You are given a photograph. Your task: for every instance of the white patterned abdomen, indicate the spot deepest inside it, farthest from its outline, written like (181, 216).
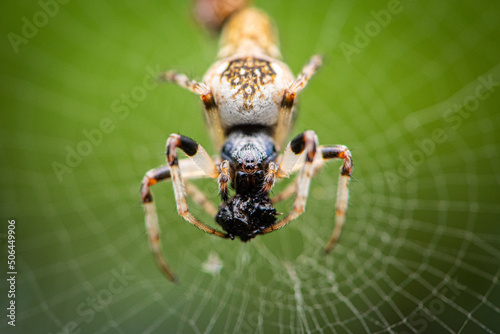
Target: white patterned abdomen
(248, 90)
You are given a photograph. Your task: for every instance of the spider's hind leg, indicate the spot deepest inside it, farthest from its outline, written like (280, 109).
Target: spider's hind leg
(289, 96)
(205, 93)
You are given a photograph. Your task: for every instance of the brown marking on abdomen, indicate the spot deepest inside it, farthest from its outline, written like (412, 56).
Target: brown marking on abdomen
(248, 75)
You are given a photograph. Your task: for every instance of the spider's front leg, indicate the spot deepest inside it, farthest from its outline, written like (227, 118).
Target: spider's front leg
(198, 165)
(304, 146)
(200, 157)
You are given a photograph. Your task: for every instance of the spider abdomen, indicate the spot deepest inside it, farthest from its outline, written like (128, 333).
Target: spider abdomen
(248, 90)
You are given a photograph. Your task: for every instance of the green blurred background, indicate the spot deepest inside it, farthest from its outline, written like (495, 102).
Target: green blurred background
(409, 94)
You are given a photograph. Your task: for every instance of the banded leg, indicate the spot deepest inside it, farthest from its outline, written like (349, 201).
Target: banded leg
(189, 170)
(339, 152)
(152, 227)
(290, 190)
(211, 110)
(198, 165)
(183, 81)
(304, 144)
(202, 160)
(291, 162)
(307, 72)
(289, 95)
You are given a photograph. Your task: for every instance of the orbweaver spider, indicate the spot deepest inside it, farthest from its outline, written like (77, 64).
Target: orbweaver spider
(249, 97)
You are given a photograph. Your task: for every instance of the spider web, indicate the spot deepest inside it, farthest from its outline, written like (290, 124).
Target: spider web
(421, 246)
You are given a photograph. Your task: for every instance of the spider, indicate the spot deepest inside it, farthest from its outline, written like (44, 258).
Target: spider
(249, 99)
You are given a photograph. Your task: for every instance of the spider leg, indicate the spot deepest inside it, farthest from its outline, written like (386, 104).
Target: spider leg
(199, 197)
(210, 107)
(224, 178)
(287, 103)
(202, 160)
(307, 72)
(339, 152)
(290, 190)
(183, 81)
(152, 177)
(198, 165)
(305, 144)
(285, 193)
(311, 165)
(270, 178)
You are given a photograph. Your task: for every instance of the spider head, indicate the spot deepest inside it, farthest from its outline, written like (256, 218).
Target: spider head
(246, 216)
(248, 158)
(249, 155)
(249, 168)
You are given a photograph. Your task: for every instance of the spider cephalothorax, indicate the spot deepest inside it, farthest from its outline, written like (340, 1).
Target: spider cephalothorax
(249, 152)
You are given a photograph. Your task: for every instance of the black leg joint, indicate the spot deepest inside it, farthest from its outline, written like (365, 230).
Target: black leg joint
(310, 155)
(163, 174)
(346, 171)
(148, 198)
(330, 152)
(288, 100)
(189, 146)
(298, 144)
(208, 101)
(173, 161)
